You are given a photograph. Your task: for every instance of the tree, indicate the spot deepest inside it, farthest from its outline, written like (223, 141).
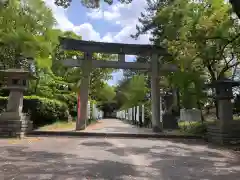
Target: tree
(26, 30)
(106, 99)
(202, 37)
(130, 92)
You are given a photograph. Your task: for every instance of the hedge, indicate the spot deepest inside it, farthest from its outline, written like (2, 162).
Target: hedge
(70, 100)
(42, 111)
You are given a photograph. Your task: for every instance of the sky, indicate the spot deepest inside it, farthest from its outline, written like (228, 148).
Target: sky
(113, 23)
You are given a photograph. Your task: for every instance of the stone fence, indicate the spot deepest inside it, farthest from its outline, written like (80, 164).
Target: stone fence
(93, 112)
(134, 115)
(190, 115)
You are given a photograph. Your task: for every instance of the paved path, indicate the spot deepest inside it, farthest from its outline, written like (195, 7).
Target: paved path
(116, 126)
(114, 159)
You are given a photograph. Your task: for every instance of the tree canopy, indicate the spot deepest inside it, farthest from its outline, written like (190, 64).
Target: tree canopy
(28, 38)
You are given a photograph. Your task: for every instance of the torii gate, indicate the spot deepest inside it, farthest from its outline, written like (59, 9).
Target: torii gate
(87, 63)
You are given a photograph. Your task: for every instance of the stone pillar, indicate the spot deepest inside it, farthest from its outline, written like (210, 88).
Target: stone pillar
(161, 108)
(126, 114)
(134, 115)
(15, 102)
(89, 115)
(130, 115)
(155, 94)
(94, 112)
(225, 108)
(84, 90)
(143, 115)
(137, 115)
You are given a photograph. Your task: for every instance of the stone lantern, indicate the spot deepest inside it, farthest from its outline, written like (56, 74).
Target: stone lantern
(169, 117)
(13, 122)
(225, 130)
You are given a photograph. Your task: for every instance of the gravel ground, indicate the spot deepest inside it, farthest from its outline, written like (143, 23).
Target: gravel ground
(114, 159)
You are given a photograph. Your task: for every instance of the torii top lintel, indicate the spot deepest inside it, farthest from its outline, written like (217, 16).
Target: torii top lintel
(111, 48)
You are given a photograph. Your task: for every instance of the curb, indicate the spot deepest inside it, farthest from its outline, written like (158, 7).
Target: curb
(109, 135)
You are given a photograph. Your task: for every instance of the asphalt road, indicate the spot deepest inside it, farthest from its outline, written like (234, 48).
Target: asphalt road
(116, 126)
(114, 159)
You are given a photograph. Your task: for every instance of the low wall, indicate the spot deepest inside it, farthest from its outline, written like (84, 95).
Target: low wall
(190, 115)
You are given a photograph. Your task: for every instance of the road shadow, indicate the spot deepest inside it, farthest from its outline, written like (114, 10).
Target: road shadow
(181, 161)
(165, 160)
(21, 163)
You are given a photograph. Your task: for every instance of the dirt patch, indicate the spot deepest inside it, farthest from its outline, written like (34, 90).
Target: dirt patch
(94, 125)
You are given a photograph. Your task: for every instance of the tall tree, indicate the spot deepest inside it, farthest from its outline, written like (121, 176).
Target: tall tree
(26, 29)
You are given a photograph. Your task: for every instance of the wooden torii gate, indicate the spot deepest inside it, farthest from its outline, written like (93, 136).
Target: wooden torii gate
(87, 63)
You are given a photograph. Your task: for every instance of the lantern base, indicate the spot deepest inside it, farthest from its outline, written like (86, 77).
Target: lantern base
(14, 125)
(224, 136)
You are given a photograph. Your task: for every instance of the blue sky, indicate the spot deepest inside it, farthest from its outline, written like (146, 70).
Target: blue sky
(107, 24)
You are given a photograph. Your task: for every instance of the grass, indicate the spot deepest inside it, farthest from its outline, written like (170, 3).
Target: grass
(63, 126)
(194, 128)
(236, 118)
(59, 125)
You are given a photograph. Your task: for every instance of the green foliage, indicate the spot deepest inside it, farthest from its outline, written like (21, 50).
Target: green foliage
(42, 110)
(26, 29)
(131, 92)
(196, 128)
(203, 38)
(106, 94)
(70, 100)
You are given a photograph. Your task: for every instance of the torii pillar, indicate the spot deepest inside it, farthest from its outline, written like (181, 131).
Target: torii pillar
(155, 94)
(84, 91)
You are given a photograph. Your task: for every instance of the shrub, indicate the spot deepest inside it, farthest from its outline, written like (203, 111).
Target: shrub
(197, 128)
(71, 101)
(42, 110)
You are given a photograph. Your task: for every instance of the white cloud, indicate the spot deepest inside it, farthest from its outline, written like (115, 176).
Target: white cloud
(126, 16)
(95, 14)
(123, 15)
(86, 30)
(116, 76)
(108, 38)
